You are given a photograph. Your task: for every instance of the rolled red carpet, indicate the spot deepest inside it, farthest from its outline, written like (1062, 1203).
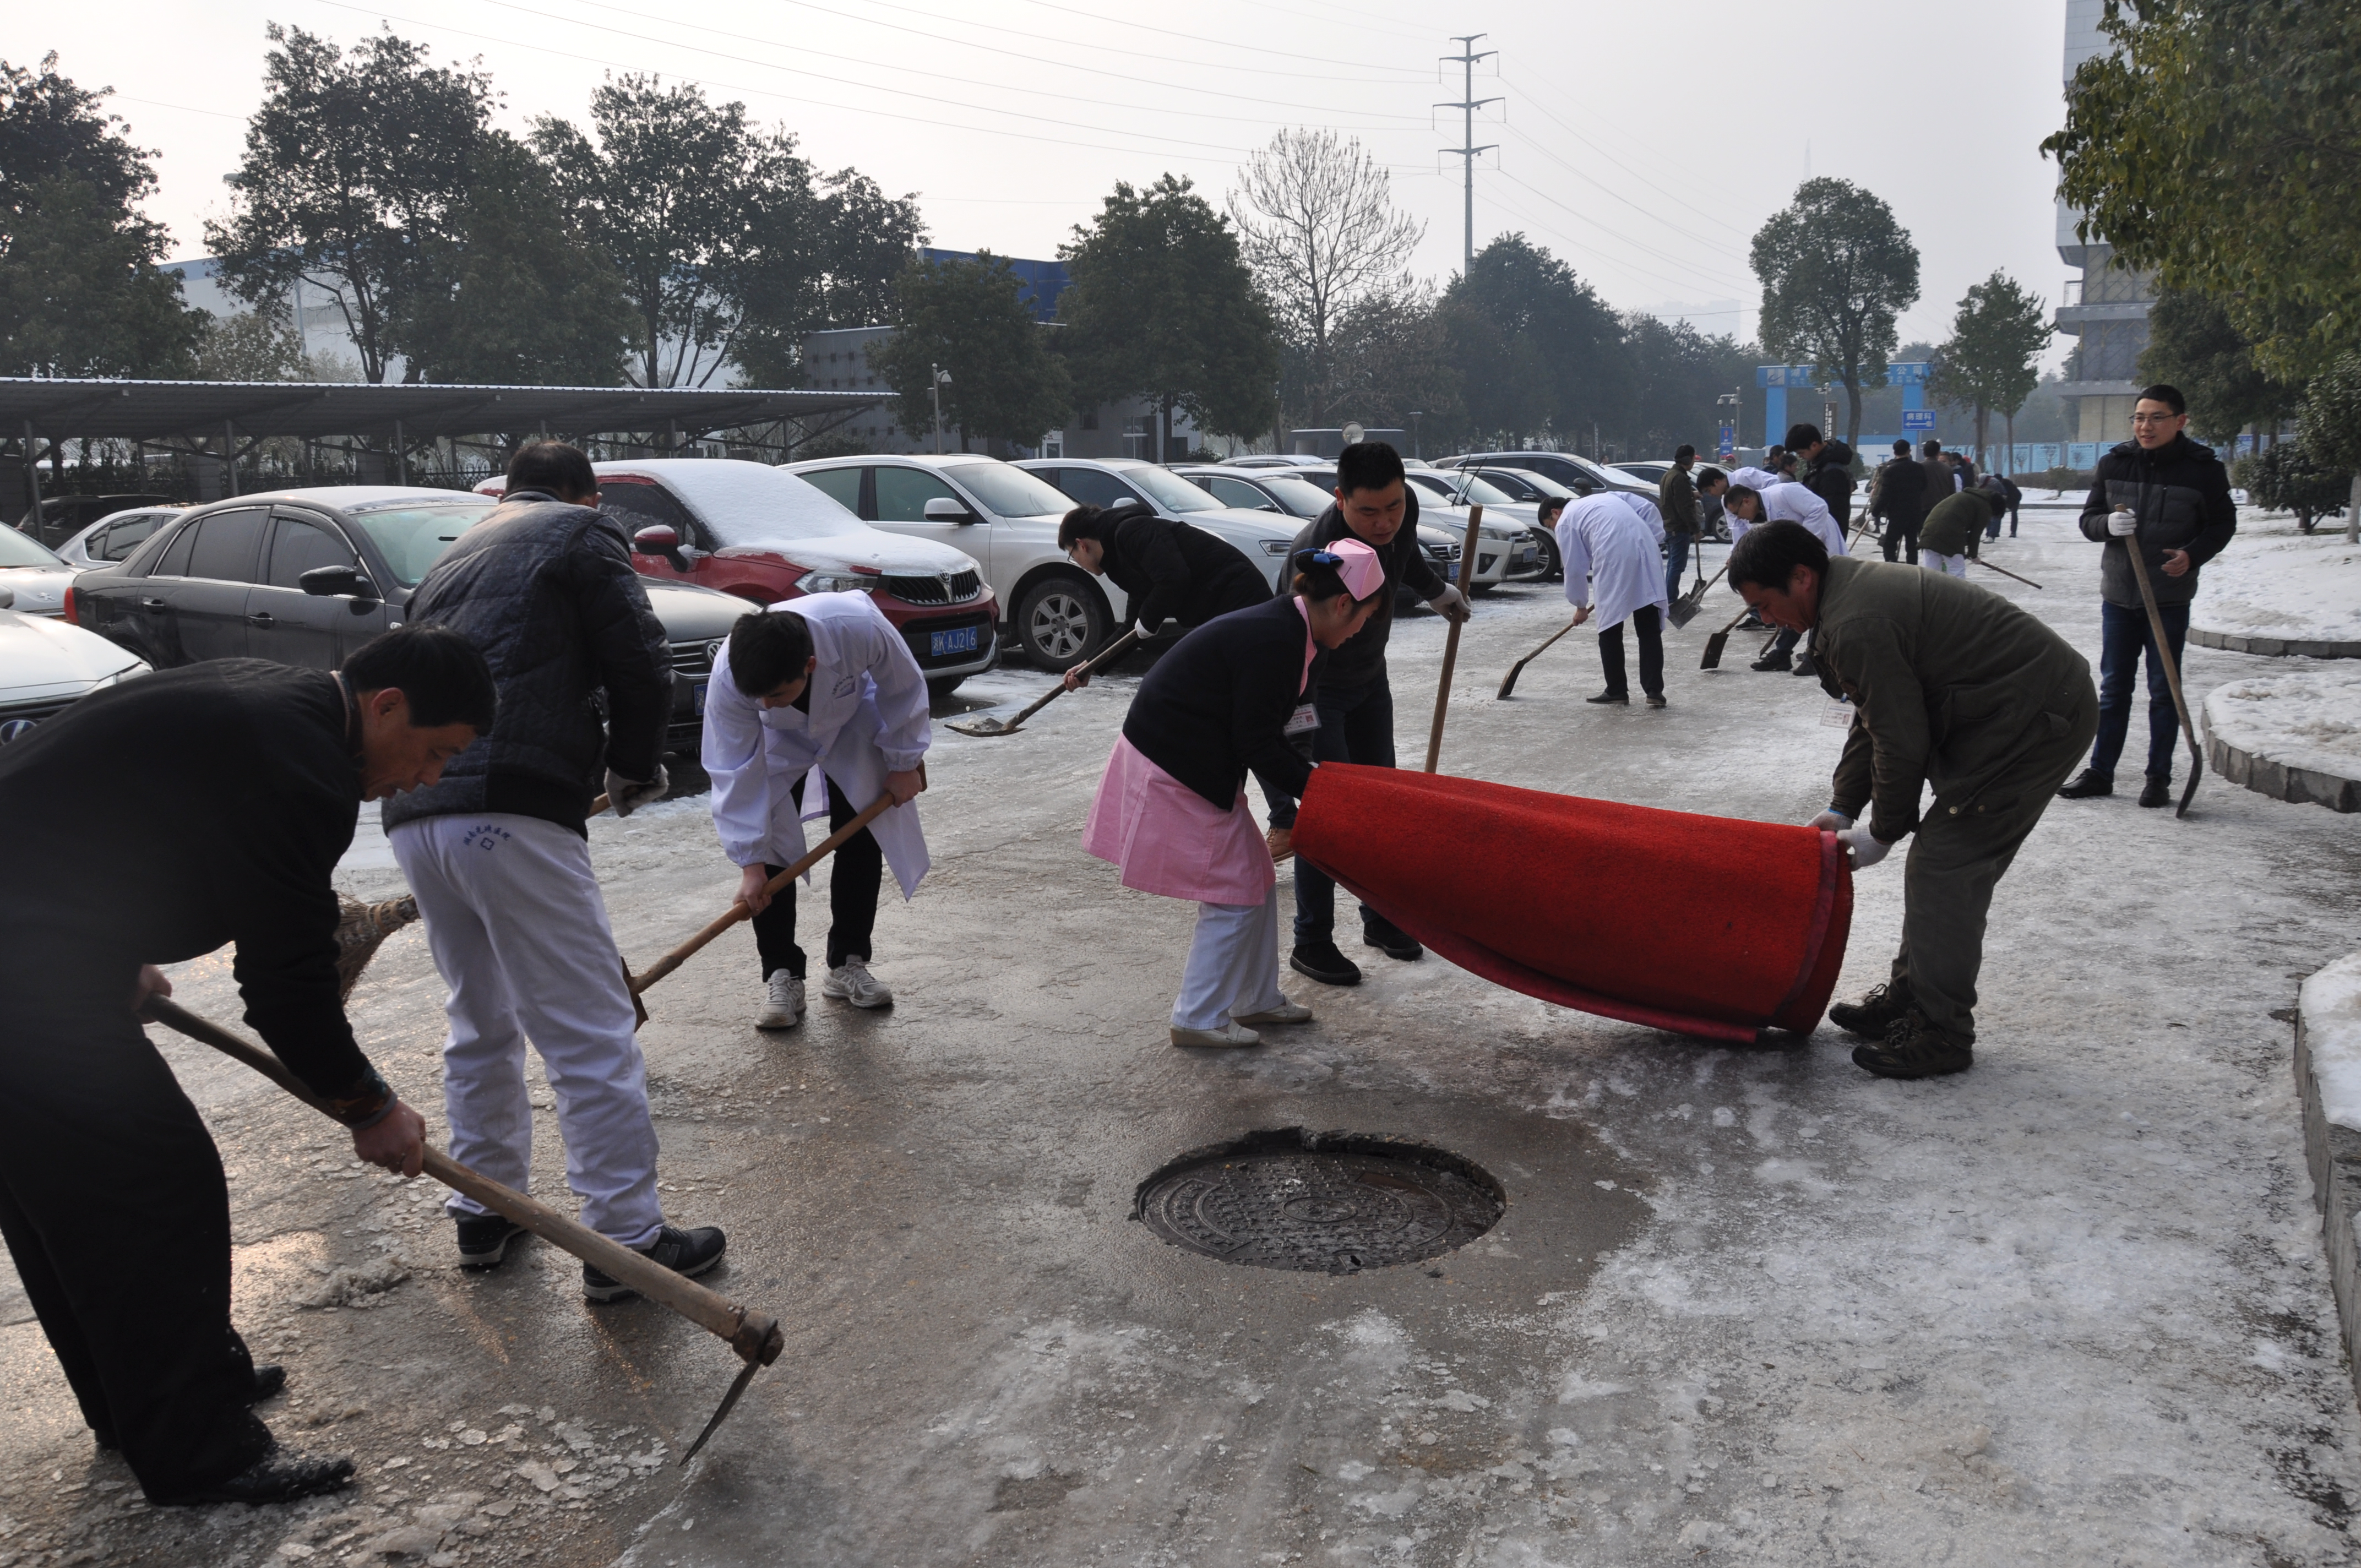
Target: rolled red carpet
(1700, 925)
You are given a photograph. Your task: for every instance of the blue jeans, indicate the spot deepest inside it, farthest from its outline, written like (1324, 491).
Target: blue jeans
(2124, 636)
(1355, 726)
(1677, 559)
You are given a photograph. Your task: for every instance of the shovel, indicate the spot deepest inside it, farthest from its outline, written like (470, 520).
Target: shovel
(2171, 669)
(1718, 640)
(2005, 572)
(1685, 609)
(994, 726)
(1509, 681)
(755, 1336)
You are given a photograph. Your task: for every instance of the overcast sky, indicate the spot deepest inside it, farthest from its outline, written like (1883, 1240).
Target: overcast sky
(1643, 143)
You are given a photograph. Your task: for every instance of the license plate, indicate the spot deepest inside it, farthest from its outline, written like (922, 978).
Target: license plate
(1529, 553)
(698, 689)
(960, 640)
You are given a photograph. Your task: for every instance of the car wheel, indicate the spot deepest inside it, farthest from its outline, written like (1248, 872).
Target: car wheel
(938, 689)
(1058, 623)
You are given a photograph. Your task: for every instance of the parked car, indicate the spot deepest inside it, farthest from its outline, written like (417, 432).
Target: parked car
(1112, 481)
(1497, 542)
(62, 516)
(1524, 485)
(1002, 516)
(33, 574)
(1646, 470)
(1528, 557)
(1278, 460)
(1580, 474)
(1300, 501)
(306, 576)
(114, 536)
(46, 663)
(762, 534)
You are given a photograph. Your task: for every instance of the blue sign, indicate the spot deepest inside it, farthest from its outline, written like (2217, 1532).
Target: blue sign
(1917, 419)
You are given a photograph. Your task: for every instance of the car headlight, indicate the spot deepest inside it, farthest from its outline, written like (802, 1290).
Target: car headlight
(1276, 546)
(137, 667)
(836, 583)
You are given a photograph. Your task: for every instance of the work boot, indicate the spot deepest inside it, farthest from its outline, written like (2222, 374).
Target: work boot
(1285, 1013)
(484, 1239)
(1320, 960)
(851, 981)
(280, 1475)
(1229, 1035)
(1873, 1014)
(2157, 791)
(1804, 666)
(1610, 697)
(1655, 699)
(686, 1253)
(2091, 781)
(783, 1001)
(1777, 659)
(1915, 1049)
(1389, 938)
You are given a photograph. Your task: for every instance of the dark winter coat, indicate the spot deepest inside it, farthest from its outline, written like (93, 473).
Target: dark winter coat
(1173, 572)
(547, 592)
(1218, 705)
(1899, 494)
(1956, 522)
(163, 818)
(1831, 478)
(2181, 494)
(1942, 479)
(1361, 663)
(1677, 499)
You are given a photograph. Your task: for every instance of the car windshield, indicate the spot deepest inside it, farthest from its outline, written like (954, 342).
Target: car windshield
(1541, 482)
(23, 550)
(1297, 495)
(413, 536)
(1169, 491)
(1007, 492)
(1463, 488)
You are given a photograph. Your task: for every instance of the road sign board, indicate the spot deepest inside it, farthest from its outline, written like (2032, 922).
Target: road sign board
(1917, 419)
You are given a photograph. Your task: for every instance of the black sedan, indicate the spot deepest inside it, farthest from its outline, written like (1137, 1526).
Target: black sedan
(306, 576)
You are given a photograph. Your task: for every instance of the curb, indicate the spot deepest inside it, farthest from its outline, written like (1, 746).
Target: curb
(2280, 781)
(2334, 1153)
(2274, 647)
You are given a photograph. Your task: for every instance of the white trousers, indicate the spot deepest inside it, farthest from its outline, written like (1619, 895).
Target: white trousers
(1233, 964)
(1955, 564)
(517, 928)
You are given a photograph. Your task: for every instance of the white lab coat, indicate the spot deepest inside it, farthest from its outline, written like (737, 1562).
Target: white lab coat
(1613, 554)
(868, 717)
(1784, 500)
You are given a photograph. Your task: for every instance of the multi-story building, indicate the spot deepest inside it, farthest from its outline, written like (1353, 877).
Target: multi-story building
(2106, 307)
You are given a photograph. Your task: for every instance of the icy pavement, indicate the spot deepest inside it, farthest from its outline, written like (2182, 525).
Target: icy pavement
(2280, 591)
(1745, 1306)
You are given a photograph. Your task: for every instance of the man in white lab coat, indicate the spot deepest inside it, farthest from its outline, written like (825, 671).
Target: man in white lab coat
(1758, 495)
(816, 705)
(1613, 548)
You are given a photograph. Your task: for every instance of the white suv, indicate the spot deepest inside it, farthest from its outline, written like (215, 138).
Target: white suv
(1001, 515)
(1112, 481)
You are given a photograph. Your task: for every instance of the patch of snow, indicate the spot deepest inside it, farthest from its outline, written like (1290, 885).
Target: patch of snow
(2332, 1029)
(2307, 716)
(2301, 588)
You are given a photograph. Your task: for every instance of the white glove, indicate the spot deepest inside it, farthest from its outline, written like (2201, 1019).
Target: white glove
(626, 796)
(1831, 821)
(2123, 522)
(1867, 848)
(1451, 604)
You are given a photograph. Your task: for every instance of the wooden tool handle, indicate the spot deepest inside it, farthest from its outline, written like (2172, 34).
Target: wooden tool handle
(754, 1335)
(1106, 655)
(1451, 638)
(2164, 652)
(737, 912)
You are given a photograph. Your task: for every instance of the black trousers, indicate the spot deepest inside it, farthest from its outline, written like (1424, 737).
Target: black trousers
(852, 878)
(1901, 535)
(116, 1215)
(1649, 623)
(1356, 725)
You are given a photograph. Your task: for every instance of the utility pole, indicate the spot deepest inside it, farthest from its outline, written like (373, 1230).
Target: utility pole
(1467, 105)
(937, 380)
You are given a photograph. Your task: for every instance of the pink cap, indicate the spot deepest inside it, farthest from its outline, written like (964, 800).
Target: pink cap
(1358, 565)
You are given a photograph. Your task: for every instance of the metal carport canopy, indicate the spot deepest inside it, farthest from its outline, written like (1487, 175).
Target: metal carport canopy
(153, 410)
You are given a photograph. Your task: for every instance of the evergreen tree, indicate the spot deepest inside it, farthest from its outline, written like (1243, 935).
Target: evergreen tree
(968, 318)
(1836, 271)
(2194, 345)
(1992, 359)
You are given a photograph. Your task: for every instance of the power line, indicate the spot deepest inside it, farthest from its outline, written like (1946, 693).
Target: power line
(1467, 105)
(1712, 279)
(1543, 106)
(1170, 33)
(1603, 189)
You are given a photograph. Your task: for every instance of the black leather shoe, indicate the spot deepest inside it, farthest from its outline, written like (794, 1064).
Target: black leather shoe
(1323, 962)
(1391, 940)
(686, 1252)
(2157, 791)
(1655, 699)
(1611, 696)
(269, 1378)
(1804, 666)
(280, 1475)
(484, 1239)
(1777, 659)
(2088, 783)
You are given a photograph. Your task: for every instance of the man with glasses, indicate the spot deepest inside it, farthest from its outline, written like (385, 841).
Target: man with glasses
(2170, 497)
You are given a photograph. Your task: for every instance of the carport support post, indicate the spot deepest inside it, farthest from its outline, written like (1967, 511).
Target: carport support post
(33, 481)
(401, 457)
(229, 458)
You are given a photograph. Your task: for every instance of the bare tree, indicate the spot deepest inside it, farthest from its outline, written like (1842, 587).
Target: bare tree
(1317, 223)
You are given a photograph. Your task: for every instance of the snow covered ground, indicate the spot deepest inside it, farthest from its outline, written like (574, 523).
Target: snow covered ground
(2331, 1021)
(2275, 586)
(2305, 715)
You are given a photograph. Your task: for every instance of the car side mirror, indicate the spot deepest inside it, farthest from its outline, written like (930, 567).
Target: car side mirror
(656, 539)
(943, 508)
(8, 598)
(336, 582)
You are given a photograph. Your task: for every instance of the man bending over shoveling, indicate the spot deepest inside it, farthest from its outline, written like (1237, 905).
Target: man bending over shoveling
(155, 821)
(816, 706)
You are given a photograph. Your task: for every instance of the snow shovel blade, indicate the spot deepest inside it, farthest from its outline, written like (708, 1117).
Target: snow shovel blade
(1684, 610)
(1713, 647)
(728, 1402)
(2189, 790)
(980, 726)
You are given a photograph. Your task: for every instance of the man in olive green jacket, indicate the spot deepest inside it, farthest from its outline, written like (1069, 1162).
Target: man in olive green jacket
(1951, 686)
(1677, 499)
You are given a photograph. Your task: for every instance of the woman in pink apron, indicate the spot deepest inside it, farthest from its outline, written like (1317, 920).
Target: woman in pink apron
(1172, 807)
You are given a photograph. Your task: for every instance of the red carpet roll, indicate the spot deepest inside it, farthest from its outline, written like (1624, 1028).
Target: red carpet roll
(1700, 925)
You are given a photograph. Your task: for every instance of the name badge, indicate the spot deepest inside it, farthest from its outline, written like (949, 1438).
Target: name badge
(1837, 716)
(1303, 720)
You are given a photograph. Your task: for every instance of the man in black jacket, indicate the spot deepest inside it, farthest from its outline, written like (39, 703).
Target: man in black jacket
(1899, 498)
(2171, 497)
(227, 791)
(1828, 469)
(498, 857)
(1170, 573)
(1355, 705)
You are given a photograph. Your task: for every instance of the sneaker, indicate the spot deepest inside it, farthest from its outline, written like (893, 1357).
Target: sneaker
(1655, 699)
(686, 1252)
(851, 981)
(783, 1001)
(1873, 1014)
(2157, 791)
(1610, 697)
(1915, 1049)
(1230, 1034)
(484, 1239)
(1391, 939)
(1777, 659)
(2089, 784)
(1285, 1013)
(280, 1475)
(1323, 964)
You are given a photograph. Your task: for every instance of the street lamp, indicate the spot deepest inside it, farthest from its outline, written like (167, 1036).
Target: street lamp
(940, 378)
(1415, 415)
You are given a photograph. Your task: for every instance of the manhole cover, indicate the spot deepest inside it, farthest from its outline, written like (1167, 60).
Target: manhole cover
(1327, 1202)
